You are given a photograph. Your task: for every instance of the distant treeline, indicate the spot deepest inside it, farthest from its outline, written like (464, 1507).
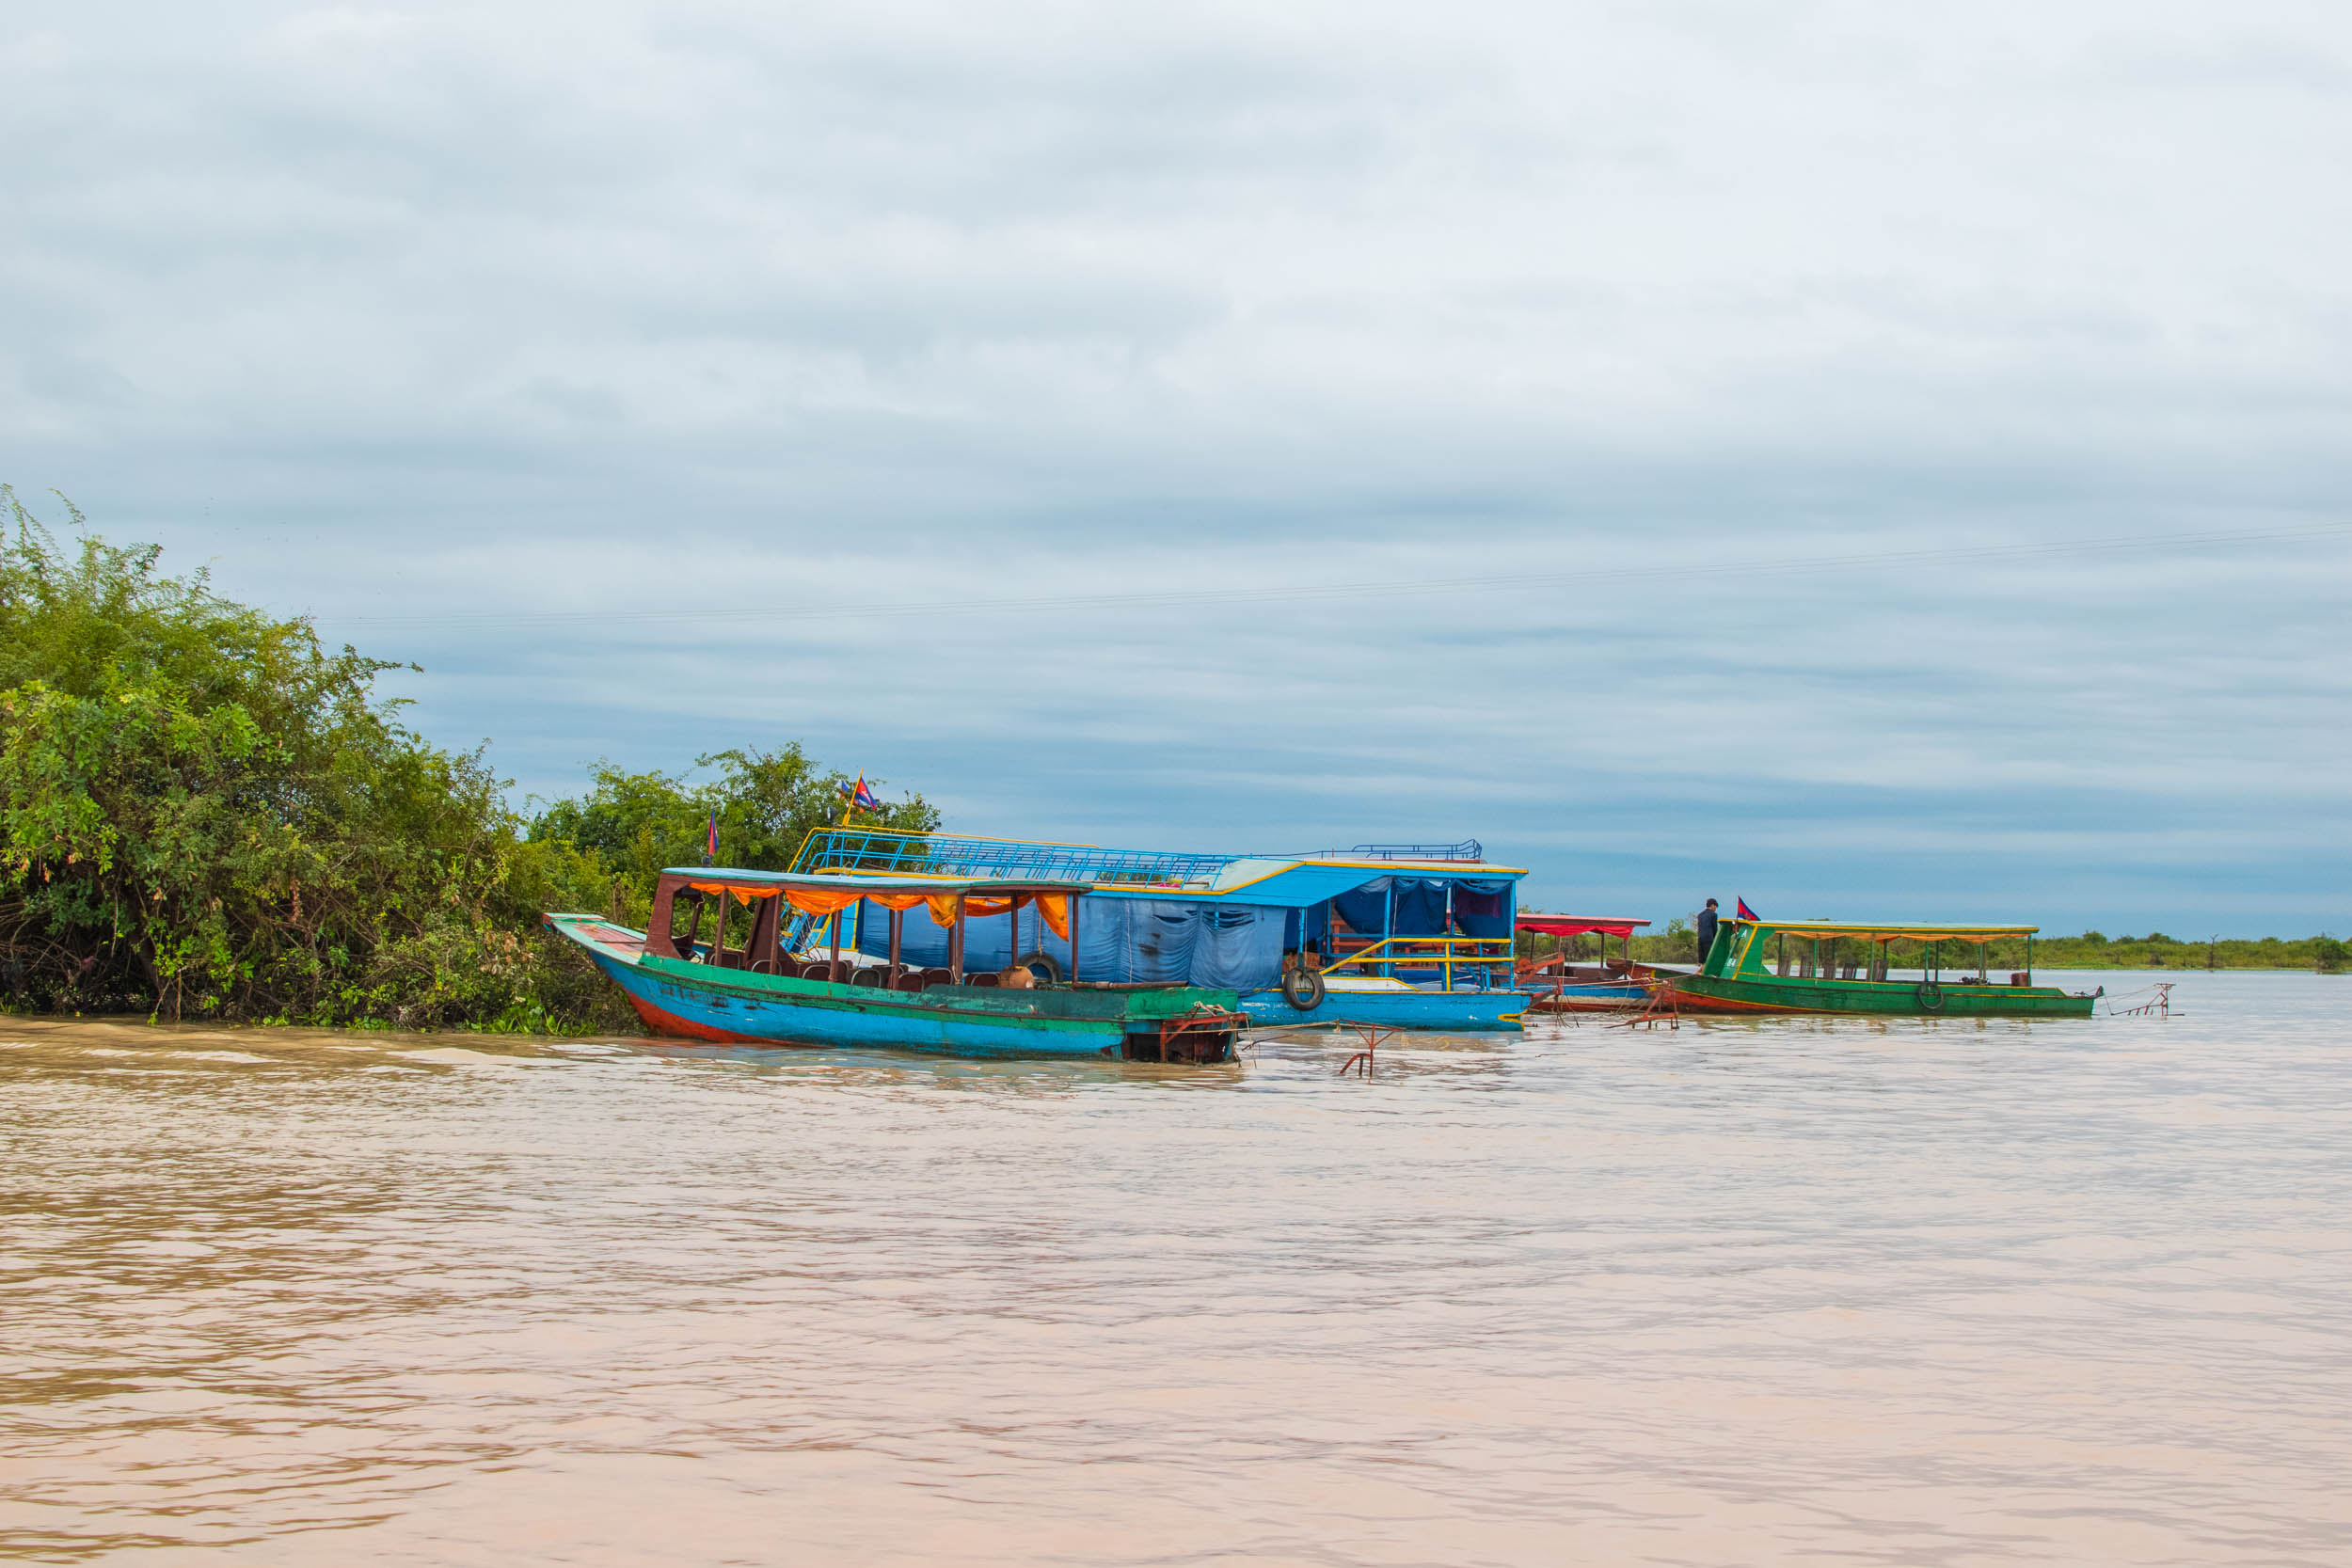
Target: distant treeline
(204, 813)
(1679, 944)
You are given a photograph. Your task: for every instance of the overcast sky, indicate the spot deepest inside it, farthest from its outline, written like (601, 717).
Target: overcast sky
(1268, 422)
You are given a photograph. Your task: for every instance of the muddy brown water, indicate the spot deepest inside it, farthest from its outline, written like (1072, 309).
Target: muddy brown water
(1790, 1292)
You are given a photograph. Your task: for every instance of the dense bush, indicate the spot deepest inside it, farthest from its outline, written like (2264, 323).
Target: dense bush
(205, 812)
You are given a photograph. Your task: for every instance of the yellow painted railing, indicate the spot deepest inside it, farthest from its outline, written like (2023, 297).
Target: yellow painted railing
(1481, 956)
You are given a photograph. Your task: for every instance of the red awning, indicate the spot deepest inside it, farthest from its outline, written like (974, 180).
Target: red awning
(1577, 925)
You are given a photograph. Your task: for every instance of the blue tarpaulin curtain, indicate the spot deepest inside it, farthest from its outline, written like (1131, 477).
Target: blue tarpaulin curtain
(1236, 946)
(1481, 905)
(1482, 908)
(1363, 909)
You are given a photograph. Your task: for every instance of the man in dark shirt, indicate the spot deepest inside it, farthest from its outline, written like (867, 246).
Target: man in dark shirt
(1707, 930)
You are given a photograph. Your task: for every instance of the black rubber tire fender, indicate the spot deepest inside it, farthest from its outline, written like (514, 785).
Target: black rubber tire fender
(1303, 989)
(1032, 960)
(1930, 997)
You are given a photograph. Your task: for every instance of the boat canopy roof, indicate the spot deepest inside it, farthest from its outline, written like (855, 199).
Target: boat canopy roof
(1889, 933)
(710, 878)
(1290, 881)
(1577, 925)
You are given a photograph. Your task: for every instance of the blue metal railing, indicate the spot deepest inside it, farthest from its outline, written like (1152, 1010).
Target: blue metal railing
(943, 855)
(1469, 849)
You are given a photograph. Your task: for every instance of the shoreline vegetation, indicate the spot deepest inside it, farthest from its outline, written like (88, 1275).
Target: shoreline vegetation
(2091, 950)
(205, 814)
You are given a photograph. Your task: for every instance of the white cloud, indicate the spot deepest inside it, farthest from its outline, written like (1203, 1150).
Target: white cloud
(524, 306)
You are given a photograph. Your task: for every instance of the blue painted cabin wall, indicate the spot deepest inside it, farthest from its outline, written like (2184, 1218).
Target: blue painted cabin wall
(1217, 942)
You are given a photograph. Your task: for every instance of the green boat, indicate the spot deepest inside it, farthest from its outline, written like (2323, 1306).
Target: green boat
(1768, 966)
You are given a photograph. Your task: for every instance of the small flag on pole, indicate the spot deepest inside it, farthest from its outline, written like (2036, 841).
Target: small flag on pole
(857, 796)
(710, 847)
(1745, 912)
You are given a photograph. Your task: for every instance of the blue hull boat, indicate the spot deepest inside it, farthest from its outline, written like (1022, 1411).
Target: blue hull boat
(1420, 1011)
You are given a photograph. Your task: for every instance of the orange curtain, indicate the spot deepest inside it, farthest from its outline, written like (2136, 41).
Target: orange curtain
(1054, 907)
(943, 907)
(743, 896)
(810, 900)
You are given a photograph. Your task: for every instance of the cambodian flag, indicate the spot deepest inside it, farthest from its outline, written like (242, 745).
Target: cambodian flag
(1745, 912)
(858, 796)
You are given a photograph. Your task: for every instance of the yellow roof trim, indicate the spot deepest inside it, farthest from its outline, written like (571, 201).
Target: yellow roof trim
(1887, 933)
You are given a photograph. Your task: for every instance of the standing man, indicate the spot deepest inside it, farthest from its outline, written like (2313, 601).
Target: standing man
(1707, 931)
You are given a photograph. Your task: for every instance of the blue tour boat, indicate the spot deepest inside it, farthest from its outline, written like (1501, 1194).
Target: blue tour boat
(1415, 936)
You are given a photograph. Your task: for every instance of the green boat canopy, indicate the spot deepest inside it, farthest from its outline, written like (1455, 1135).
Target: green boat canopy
(1889, 933)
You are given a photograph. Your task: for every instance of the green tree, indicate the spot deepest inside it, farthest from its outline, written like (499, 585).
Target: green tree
(204, 811)
(766, 803)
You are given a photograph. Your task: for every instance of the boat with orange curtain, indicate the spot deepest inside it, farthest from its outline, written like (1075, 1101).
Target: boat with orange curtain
(715, 963)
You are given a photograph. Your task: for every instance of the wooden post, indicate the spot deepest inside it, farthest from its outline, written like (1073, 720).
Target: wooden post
(1387, 927)
(955, 946)
(1446, 975)
(897, 925)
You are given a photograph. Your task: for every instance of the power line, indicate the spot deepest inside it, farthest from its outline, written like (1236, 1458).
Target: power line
(1302, 593)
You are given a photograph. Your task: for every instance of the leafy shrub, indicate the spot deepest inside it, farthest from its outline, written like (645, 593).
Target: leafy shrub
(206, 813)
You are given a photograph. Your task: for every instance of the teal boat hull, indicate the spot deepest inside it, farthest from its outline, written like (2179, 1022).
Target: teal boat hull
(695, 1001)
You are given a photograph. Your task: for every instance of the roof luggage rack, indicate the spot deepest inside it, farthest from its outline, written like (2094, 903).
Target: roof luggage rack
(1469, 849)
(885, 851)
(946, 855)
